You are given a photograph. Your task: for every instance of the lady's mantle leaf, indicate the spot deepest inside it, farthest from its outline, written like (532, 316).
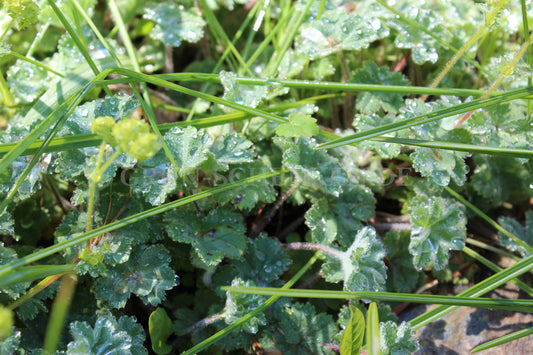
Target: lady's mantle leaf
(231, 149)
(338, 218)
(299, 124)
(160, 327)
(174, 23)
(108, 336)
(397, 339)
(301, 331)
(189, 147)
(424, 46)
(439, 225)
(248, 195)
(264, 261)
(239, 304)
(404, 277)
(524, 233)
(338, 30)
(369, 102)
(361, 266)
(353, 335)
(316, 169)
(146, 274)
(215, 236)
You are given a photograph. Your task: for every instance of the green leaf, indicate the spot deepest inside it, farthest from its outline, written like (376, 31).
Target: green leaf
(108, 336)
(361, 266)
(439, 225)
(27, 81)
(249, 195)
(160, 328)
(6, 223)
(247, 95)
(175, 23)
(156, 182)
(317, 170)
(369, 102)
(146, 274)
(189, 146)
(404, 277)
(338, 30)
(524, 233)
(424, 47)
(500, 179)
(333, 219)
(353, 335)
(217, 235)
(231, 149)
(264, 261)
(301, 331)
(397, 339)
(11, 343)
(299, 124)
(238, 305)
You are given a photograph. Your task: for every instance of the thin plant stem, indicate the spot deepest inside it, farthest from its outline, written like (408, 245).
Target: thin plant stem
(482, 31)
(507, 70)
(59, 312)
(496, 268)
(41, 65)
(529, 57)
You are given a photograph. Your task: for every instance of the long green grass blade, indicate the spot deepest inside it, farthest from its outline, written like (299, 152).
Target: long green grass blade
(513, 305)
(502, 340)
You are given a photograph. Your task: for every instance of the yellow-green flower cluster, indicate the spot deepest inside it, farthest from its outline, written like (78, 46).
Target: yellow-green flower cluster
(134, 138)
(102, 127)
(130, 136)
(24, 12)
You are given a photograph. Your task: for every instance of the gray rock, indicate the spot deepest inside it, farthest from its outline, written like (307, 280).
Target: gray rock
(465, 328)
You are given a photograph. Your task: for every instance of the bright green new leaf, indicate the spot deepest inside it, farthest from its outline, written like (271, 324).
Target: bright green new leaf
(299, 124)
(372, 333)
(160, 328)
(353, 335)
